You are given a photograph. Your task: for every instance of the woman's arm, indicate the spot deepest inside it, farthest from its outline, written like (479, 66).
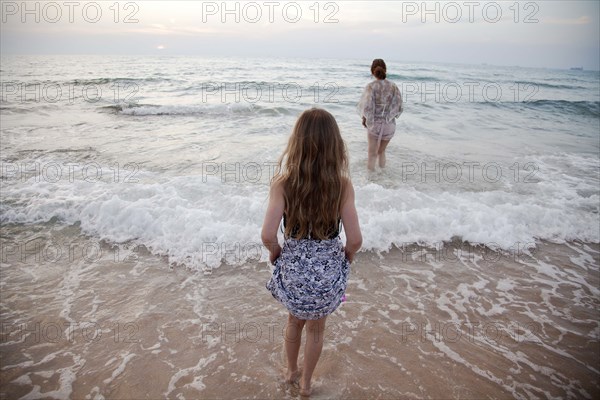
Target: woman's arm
(365, 106)
(351, 225)
(272, 220)
(397, 106)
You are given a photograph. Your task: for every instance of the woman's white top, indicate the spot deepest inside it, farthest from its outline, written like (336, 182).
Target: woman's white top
(380, 101)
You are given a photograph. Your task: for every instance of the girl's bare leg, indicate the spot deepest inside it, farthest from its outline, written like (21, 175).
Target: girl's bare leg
(293, 338)
(315, 330)
(372, 152)
(381, 152)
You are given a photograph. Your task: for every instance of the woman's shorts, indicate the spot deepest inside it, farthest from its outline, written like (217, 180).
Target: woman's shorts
(385, 129)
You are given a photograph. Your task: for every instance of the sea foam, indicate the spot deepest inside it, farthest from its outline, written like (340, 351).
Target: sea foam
(201, 221)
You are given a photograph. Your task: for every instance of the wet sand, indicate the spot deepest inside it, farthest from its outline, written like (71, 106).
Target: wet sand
(94, 322)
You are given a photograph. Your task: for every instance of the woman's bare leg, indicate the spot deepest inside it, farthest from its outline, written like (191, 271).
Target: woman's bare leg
(381, 152)
(315, 330)
(372, 152)
(293, 338)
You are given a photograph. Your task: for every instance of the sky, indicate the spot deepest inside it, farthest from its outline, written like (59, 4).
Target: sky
(547, 33)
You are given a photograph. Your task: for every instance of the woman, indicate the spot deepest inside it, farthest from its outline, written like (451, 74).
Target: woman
(379, 106)
(313, 194)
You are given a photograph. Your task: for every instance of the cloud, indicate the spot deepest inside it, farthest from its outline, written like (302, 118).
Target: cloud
(373, 28)
(180, 30)
(583, 20)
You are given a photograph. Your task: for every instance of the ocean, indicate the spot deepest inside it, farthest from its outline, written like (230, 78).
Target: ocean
(122, 175)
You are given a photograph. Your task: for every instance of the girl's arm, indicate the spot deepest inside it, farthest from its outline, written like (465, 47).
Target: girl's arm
(272, 220)
(350, 221)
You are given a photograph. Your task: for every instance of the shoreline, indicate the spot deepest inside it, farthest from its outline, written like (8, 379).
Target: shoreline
(412, 327)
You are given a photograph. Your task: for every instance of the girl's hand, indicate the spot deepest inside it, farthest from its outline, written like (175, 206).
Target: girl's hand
(274, 254)
(349, 256)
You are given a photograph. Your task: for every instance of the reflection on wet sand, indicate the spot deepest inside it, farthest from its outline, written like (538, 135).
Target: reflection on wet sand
(462, 322)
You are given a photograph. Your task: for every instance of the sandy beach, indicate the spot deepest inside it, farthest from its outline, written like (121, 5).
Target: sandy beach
(459, 322)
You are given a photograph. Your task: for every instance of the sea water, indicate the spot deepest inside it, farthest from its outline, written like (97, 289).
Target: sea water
(176, 153)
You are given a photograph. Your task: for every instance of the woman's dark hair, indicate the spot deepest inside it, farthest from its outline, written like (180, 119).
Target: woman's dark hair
(378, 68)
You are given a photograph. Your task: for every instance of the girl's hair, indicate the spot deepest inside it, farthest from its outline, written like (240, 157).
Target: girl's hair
(378, 68)
(313, 170)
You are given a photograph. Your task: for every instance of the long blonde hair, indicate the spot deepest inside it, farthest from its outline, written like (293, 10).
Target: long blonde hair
(313, 170)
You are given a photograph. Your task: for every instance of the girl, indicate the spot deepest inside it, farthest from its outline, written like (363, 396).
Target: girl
(379, 106)
(312, 193)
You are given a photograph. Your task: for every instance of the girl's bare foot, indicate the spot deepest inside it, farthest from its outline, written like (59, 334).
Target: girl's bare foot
(292, 376)
(305, 389)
